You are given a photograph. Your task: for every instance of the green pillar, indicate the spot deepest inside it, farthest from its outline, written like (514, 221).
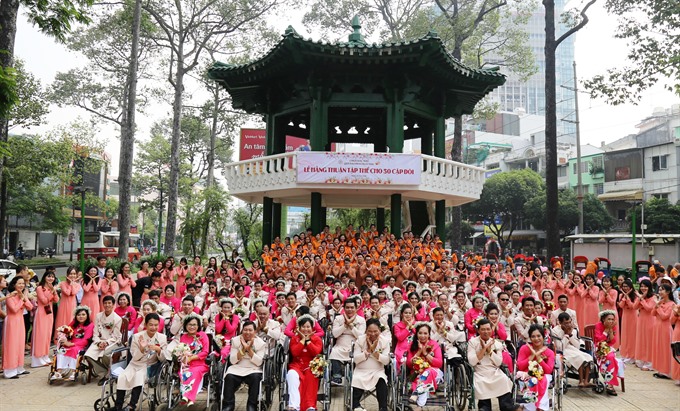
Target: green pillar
(440, 218)
(426, 141)
(276, 220)
(267, 208)
(318, 119)
(316, 213)
(284, 220)
(440, 138)
(395, 118)
(324, 216)
(270, 121)
(380, 218)
(395, 215)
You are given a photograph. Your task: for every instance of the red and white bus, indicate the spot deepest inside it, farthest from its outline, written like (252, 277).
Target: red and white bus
(106, 244)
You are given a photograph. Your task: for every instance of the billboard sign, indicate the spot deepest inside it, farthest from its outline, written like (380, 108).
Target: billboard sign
(254, 142)
(358, 168)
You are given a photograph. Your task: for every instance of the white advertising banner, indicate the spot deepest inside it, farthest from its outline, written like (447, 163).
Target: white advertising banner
(358, 168)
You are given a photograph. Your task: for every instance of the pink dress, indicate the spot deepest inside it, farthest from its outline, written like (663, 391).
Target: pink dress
(167, 277)
(91, 297)
(82, 335)
(547, 365)
(404, 338)
(628, 333)
(576, 302)
(591, 307)
(228, 327)
(502, 334)
(191, 374)
(661, 340)
(67, 303)
(43, 323)
(425, 380)
(125, 284)
(609, 366)
(181, 280)
(608, 301)
(14, 333)
(108, 288)
(675, 366)
(645, 329)
(129, 313)
(470, 316)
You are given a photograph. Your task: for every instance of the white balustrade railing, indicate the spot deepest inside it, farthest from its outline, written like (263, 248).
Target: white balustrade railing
(280, 171)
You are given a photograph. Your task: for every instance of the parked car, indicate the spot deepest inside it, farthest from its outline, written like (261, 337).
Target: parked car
(8, 269)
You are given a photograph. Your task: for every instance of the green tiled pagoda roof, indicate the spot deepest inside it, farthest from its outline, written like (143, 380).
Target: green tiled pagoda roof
(424, 59)
(354, 52)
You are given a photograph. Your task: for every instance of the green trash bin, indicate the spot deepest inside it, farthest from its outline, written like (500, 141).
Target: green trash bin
(617, 271)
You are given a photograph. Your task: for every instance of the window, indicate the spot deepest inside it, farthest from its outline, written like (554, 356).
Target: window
(621, 214)
(599, 188)
(597, 162)
(661, 196)
(660, 162)
(584, 167)
(561, 171)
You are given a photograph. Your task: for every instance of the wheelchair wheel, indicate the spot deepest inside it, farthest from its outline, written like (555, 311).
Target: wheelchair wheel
(105, 405)
(461, 384)
(449, 386)
(162, 389)
(599, 387)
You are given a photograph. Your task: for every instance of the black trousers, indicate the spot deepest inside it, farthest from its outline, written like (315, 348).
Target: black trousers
(505, 402)
(134, 397)
(231, 384)
(337, 369)
(381, 393)
(27, 326)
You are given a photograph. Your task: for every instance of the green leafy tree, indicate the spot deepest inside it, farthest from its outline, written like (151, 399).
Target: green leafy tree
(596, 219)
(32, 105)
(187, 30)
(53, 18)
(568, 217)
(660, 216)
(651, 29)
(248, 223)
(503, 198)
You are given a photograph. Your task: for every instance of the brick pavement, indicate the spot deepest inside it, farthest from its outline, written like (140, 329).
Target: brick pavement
(32, 393)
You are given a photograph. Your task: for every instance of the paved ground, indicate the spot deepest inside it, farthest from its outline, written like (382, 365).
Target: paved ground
(32, 393)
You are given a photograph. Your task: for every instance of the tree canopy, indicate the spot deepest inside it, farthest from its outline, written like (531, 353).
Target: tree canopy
(502, 204)
(651, 29)
(660, 216)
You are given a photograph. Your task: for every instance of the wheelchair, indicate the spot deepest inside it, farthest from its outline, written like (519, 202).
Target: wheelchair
(443, 398)
(166, 390)
(555, 387)
(567, 371)
(461, 381)
(267, 383)
(390, 371)
(324, 394)
(83, 372)
(119, 360)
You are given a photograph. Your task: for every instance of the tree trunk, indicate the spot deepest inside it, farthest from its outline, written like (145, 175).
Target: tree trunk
(127, 138)
(173, 190)
(552, 201)
(457, 212)
(211, 170)
(9, 10)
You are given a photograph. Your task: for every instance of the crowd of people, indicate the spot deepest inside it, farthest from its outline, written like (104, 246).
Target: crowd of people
(385, 294)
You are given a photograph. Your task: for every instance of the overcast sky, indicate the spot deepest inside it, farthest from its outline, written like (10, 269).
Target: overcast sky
(596, 50)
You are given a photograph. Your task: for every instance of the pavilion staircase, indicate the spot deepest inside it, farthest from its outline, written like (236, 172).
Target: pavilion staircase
(420, 216)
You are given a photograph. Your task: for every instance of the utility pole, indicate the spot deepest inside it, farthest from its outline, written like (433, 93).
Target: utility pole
(579, 185)
(579, 179)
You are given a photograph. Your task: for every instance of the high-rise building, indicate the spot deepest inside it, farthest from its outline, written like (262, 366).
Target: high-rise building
(529, 95)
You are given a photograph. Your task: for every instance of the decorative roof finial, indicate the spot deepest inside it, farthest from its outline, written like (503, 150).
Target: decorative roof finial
(356, 37)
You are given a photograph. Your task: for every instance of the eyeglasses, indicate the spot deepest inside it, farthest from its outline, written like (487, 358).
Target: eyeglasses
(505, 299)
